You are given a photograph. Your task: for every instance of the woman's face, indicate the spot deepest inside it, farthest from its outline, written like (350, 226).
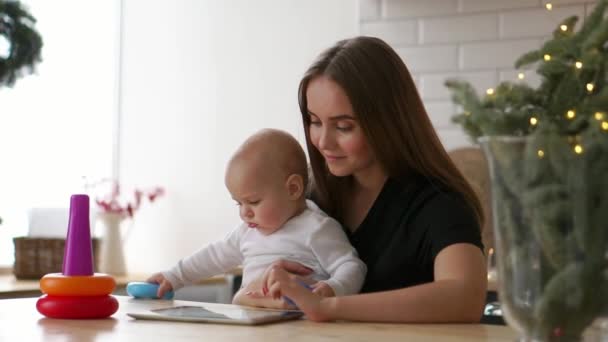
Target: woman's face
(334, 129)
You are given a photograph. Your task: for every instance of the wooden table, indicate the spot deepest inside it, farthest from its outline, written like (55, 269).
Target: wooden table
(19, 321)
(10, 287)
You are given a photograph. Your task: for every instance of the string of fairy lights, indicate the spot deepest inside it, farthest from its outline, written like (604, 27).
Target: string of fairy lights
(600, 117)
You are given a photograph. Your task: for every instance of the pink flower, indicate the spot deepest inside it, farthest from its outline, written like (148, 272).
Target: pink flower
(113, 202)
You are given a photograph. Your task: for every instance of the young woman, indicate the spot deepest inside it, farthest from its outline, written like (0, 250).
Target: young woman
(380, 169)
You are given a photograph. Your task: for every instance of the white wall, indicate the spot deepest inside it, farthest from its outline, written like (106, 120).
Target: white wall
(477, 40)
(56, 125)
(197, 78)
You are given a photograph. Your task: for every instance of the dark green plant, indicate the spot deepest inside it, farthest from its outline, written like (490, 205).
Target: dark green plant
(24, 42)
(572, 98)
(549, 183)
(505, 112)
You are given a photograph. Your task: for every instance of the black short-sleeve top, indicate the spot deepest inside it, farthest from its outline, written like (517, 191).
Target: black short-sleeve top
(405, 229)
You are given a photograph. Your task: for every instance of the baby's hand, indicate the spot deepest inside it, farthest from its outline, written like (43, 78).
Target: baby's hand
(322, 289)
(256, 298)
(163, 284)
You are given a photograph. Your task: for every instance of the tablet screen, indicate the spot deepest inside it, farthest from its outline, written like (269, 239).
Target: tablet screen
(190, 311)
(227, 313)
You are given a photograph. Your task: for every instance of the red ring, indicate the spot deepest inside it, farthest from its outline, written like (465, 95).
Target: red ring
(77, 307)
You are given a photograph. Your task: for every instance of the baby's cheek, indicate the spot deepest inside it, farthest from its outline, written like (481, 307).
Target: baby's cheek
(277, 218)
(271, 217)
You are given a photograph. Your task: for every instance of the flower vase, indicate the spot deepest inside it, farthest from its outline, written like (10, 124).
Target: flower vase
(111, 258)
(550, 208)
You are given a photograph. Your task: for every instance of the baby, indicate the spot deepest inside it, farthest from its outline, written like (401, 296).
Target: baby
(267, 177)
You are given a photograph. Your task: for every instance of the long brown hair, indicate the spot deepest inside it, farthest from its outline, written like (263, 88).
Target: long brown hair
(391, 114)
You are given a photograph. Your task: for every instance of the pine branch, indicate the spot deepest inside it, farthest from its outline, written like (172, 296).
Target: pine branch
(594, 19)
(25, 44)
(570, 23)
(597, 38)
(528, 58)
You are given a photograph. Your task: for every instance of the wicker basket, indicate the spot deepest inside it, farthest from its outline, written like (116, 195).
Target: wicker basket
(35, 257)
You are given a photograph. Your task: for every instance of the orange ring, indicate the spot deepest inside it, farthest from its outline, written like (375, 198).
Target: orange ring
(57, 284)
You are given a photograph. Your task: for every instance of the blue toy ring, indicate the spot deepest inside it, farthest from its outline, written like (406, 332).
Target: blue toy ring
(140, 289)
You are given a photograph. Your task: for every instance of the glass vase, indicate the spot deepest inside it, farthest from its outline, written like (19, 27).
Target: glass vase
(550, 210)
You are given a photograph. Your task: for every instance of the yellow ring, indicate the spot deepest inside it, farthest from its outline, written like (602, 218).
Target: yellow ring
(57, 284)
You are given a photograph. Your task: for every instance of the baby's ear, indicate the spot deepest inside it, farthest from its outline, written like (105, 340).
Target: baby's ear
(295, 186)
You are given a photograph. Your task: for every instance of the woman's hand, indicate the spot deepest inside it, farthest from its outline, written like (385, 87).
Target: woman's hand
(164, 285)
(322, 289)
(251, 295)
(315, 306)
(289, 266)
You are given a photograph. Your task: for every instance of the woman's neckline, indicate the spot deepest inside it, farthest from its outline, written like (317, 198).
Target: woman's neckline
(372, 208)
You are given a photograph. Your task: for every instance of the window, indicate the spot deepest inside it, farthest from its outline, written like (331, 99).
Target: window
(58, 125)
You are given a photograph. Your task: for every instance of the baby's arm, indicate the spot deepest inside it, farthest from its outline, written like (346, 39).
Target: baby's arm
(213, 259)
(339, 258)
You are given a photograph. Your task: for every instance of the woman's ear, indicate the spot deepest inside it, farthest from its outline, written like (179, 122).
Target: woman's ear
(295, 186)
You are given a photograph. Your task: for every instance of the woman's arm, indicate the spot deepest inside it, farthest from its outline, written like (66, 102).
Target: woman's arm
(457, 294)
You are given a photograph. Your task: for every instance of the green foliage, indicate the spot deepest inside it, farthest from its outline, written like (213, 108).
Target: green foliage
(506, 112)
(569, 64)
(550, 215)
(548, 151)
(25, 44)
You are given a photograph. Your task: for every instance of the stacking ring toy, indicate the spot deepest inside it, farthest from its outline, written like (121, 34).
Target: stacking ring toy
(57, 284)
(77, 307)
(141, 289)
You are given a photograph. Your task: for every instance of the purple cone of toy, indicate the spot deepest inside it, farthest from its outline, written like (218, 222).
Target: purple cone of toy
(78, 253)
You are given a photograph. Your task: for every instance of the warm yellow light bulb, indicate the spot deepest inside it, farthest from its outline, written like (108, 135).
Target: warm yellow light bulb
(490, 91)
(578, 64)
(578, 149)
(590, 87)
(599, 116)
(541, 153)
(605, 125)
(549, 6)
(563, 27)
(547, 57)
(571, 114)
(533, 121)
(521, 76)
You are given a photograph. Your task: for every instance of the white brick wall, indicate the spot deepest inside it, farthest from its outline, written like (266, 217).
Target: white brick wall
(476, 40)
(464, 28)
(494, 54)
(535, 23)
(467, 6)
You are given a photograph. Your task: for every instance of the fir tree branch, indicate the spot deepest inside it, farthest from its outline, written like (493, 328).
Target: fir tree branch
(25, 44)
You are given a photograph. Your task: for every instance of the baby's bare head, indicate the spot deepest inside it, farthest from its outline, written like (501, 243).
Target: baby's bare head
(269, 155)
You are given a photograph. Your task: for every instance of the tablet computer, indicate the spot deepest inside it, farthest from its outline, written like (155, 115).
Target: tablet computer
(217, 314)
